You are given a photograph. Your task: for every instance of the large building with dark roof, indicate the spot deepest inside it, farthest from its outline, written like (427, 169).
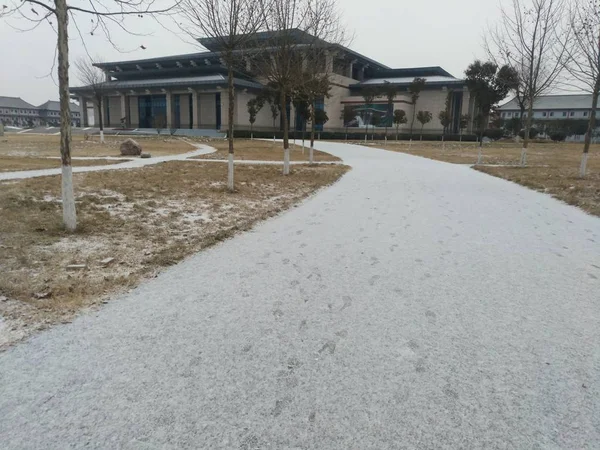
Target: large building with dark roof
(14, 111)
(190, 91)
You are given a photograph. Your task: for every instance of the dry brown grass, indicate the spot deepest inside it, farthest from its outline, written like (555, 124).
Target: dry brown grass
(259, 150)
(561, 182)
(552, 168)
(146, 219)
(49, 145)
(494, 153)
(14, 163)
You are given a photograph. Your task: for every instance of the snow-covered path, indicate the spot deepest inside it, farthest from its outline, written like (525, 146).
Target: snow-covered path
(414, 304)
(127, 164)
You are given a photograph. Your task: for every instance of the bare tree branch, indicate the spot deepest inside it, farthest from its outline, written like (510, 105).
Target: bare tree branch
(531, 38)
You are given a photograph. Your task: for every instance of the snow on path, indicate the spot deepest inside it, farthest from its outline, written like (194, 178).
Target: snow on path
(127, 164)
(414, 304)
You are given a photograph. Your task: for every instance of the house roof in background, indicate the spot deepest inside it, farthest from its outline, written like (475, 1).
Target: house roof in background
(578, 101)
(15, 102)
(53, 105)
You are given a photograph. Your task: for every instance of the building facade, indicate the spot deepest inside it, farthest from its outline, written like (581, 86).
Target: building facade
(552, 107)
(190, 92)
(16, 112)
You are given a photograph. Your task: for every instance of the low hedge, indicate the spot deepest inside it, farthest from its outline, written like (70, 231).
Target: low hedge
(353, 136)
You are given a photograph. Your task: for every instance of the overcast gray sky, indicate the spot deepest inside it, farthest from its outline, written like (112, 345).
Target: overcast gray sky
(395, 32)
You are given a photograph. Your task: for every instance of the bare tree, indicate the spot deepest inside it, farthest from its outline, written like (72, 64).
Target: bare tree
(463, 123)
(94, 78)
(318, 57)
(102, 15)
(584, 64)
(231, 25)
(368, 94)
(389, 90)
(415, 88)
(399, 119)
(424, 117)
(297, 31)
(312, 87)
(254, 106)
(532, 39)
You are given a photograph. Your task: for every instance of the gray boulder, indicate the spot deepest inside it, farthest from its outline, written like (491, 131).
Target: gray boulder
(131, 148)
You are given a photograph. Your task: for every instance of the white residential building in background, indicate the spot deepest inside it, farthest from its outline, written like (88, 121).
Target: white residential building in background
(551, 107)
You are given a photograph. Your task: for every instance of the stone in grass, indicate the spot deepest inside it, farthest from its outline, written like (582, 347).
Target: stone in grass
(76, 266)
(145, 155)
(131, 148)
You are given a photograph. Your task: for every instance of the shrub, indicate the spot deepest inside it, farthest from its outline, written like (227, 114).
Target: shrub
(494, 133)
(558, 136)
(533, 132)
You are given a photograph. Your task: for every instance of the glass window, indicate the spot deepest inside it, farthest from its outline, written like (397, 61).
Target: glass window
(544, 114)
(585, 114)
(564, 114)
(552, 114)
(571, 114)
(503, 114)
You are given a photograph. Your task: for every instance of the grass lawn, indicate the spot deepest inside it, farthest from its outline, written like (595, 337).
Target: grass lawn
(15, 163)
(49, 145)
(552, 168)
(145, 219)
(259, 150)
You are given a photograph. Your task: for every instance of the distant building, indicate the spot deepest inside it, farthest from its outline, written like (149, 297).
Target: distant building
(15, 111)
(552, 107)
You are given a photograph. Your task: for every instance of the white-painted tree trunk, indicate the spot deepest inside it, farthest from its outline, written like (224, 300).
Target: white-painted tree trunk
(523, 161)
(410, 144)
(286, 161)
(303, 146)
(102, 136)
(273, 138)
(479, 156)
(230, 184)
(68, 199)
(251, 136)
(311, 155)
(68, 196)
(583, 166)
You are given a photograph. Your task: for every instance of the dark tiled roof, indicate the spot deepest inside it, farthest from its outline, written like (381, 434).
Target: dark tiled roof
(205, 80)
(52, 105)
(15, 102)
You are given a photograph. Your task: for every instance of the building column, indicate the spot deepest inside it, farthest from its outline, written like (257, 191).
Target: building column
(195, 110)
(328, 62)
(169, 110)
(84, 112)
(106, 112)
(124, 109)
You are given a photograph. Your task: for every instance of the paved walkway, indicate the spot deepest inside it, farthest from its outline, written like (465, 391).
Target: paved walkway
(127, 164)
(414, 304)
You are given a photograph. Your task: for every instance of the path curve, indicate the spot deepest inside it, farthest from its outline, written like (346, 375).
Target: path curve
(414, 304)
(127, 164)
